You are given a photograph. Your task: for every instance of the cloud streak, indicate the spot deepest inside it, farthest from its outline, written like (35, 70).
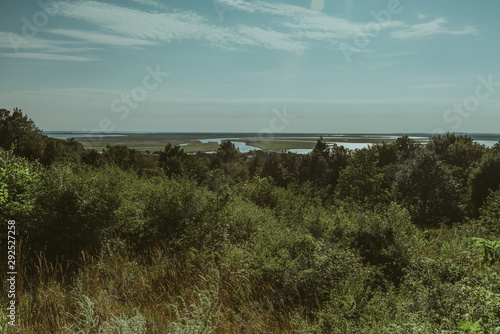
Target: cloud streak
(432, 28)
(47, 56)
(100, 38)
(168, 27)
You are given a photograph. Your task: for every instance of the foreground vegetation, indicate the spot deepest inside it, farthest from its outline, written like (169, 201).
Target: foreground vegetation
(394, 238)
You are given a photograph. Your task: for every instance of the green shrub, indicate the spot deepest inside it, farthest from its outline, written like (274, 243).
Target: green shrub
(19, 183)
(490, 213)
(75, 209)
(180, 211)
(384, 239)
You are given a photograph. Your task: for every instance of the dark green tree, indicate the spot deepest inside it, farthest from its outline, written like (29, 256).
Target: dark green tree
(171, 160)
(406, 147)
(19, 132)
(460, 151)
(426, 188)
(362, 182)
(483, 179)
(128, 158)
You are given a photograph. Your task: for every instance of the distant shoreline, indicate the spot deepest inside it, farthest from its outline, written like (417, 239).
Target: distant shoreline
(193, 142)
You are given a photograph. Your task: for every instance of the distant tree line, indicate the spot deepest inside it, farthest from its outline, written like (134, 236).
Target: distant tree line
(444, 181)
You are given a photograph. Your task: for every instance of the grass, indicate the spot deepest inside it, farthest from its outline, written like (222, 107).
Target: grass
(118, 291)
(156, 291)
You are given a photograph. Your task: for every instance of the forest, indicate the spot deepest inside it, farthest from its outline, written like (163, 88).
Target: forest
(397, 237)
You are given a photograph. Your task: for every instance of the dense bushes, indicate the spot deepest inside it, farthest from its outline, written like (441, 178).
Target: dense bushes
(74, 210)
(331, 242)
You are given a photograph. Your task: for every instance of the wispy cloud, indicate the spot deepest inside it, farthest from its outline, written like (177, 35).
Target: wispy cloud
(431, 28)
(100, 38)
(10, 40)
(294, 28)
(167, 27)
(152, 3)
(38, 48)
(271, 39)
(306, 22)
(47, 56)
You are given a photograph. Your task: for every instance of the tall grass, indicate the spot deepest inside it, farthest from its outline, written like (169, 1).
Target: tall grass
(119, 291)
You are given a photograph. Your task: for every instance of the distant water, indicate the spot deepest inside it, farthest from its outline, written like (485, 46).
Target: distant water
(353, 146)
(487, 143)
(243, 147)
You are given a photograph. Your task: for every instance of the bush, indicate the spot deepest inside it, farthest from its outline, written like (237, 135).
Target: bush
(489, 218)
(300, 269)
(385, 240)
(180, 211)
(75, 209)
(19, 183)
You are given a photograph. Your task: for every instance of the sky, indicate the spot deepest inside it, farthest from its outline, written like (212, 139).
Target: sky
(315, 66)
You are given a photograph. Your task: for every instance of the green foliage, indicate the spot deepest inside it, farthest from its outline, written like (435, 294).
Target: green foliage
(171, 160)
(180, 211)
(197, 167)
(461, 151)
(428, 191)
(19, 132)
(74, 209)
(385, 240)
(199, 317)
(496, 147)
(309, 244)
(485, 177)
(490, 213)
(490, 250)
(19, 183)
(470, 326)
(299, 268)
(387, 154)
(282, 168)
(261, 191)
(86, 319)
(407, 147)
(226, 153)
(322, 167)
(127, 158)
(361, 182)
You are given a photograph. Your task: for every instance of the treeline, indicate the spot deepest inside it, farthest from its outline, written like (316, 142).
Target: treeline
(336, 241)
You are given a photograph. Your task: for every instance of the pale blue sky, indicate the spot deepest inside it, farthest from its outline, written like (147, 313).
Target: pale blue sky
(335, 66)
